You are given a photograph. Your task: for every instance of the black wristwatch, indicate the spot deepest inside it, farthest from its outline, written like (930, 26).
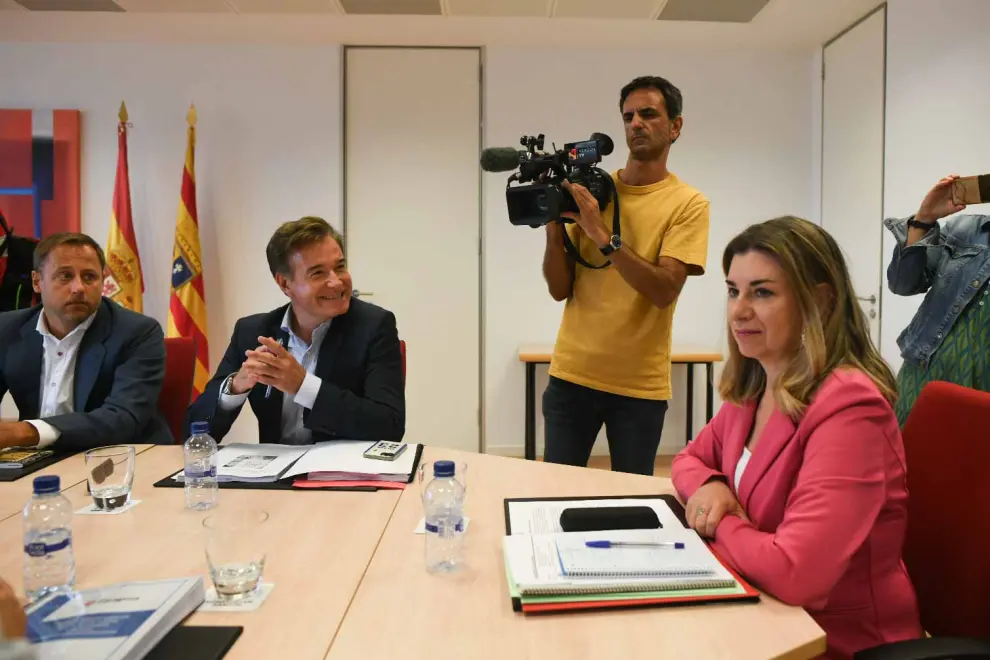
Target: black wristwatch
(918, 224)
(614, 243)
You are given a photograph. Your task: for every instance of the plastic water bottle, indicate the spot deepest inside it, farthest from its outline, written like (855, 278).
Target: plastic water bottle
(49, 563)
(200, 472)
(443, 511)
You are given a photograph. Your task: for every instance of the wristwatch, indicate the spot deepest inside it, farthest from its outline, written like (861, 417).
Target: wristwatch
(918, 224)
(614, 243)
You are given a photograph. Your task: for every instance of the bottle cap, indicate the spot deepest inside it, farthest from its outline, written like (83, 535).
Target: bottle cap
(48, 484)
(200, 427)
(443, 469)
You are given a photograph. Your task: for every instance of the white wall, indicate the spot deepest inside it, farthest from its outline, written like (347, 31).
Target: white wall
(269, 150)
(937, 109)
(747, 144)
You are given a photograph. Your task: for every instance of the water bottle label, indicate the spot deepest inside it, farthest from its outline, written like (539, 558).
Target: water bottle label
(201, 474)
(435, 529)
(40, 549)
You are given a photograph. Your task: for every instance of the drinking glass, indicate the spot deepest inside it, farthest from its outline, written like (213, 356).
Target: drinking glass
(110, 475)
(236, 547)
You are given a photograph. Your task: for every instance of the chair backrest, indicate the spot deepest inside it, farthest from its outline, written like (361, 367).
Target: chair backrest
(402, 349)
(180, 369)
(947, 549)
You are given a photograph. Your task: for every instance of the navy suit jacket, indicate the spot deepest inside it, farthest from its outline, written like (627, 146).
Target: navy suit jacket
(119, 372)
(362, 395)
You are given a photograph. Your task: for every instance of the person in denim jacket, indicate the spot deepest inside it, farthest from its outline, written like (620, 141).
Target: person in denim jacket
(949, 337)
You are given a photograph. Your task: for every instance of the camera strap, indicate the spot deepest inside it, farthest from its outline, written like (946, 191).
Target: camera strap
(616, 229)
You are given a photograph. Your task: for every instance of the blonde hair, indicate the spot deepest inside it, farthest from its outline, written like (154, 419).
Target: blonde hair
(835, 335)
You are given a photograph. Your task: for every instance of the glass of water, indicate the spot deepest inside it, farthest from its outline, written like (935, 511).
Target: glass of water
(110, 473)
(236, 546)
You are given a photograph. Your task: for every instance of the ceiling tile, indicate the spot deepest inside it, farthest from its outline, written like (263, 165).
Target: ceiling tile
(497, 7)
(405, 7)
(729, 11)
(644, 9)
(70, 5)
(176, 6)
(286, 6)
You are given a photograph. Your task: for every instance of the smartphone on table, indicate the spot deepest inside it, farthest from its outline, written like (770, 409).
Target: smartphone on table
(385, 450)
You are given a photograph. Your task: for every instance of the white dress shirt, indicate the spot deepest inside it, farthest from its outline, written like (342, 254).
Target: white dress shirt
(58, 376)
(293, 407)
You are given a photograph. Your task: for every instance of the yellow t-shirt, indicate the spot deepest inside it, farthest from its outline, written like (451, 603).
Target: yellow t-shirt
(612, 338)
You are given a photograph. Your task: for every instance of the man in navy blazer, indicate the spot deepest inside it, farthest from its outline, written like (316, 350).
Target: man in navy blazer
(323, 367)
(84, 372)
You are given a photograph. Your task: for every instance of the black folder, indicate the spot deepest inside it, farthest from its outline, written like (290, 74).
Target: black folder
(286, 484)
(7, 474)
(196, 643)
(675, 507)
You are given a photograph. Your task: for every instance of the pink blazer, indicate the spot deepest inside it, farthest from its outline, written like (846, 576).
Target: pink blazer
(828, 503)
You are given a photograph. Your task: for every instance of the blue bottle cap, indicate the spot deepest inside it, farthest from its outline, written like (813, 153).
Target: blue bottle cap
(200, 427)
(443, 469)
(48, 484)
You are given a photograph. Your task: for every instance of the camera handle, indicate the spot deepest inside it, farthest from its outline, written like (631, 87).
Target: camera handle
(616, 229)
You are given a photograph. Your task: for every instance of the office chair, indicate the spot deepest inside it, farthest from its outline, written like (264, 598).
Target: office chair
(947, 547)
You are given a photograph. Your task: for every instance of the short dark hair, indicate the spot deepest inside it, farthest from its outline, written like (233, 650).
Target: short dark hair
(49, 243)
(671, 95)
(291, 236)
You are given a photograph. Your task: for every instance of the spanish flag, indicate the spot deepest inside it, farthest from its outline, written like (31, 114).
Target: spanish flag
(123, 282)
(187, 304)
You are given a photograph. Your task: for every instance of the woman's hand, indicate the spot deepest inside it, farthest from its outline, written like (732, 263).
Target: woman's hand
(709, 504)
(938, 202)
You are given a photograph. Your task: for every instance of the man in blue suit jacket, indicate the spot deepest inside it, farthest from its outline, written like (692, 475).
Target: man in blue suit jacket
(323, 367)
(83, 371)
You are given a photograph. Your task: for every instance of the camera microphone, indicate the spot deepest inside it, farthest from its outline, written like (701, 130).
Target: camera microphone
(501, 159)
(605, 144)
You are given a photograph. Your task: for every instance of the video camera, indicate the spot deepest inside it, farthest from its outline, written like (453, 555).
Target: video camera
(538, 197)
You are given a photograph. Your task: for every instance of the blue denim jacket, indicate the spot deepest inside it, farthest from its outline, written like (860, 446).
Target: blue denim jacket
(951, 263)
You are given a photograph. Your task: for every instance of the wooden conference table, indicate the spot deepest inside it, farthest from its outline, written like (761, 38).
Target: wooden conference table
(341, 560)
(72, 471)
(534, 354)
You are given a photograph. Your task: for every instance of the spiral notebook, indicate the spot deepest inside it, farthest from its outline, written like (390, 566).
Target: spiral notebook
(692, 560)
(556, 564)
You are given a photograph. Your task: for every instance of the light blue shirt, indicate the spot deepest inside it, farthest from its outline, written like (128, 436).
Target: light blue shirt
(293, 407)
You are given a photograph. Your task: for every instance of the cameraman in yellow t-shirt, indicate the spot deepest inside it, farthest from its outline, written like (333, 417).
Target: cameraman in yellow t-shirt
(611, 362)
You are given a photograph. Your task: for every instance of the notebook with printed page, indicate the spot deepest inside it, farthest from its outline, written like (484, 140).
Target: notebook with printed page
(656, 555)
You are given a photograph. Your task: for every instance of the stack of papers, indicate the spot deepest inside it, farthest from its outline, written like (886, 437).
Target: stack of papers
(118, 622)
(255, 463)
(333, 461)
(551, 570)
(343, 460)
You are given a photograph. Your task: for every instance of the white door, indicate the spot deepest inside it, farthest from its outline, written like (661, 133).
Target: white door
(413, 222)
(852, 156)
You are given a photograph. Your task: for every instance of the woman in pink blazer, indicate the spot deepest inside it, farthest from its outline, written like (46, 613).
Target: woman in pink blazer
(799, 480)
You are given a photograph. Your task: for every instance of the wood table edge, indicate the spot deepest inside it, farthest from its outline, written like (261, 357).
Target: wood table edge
(536, 356)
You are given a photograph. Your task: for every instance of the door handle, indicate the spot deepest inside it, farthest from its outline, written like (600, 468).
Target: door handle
(871, 299)
(357, 294)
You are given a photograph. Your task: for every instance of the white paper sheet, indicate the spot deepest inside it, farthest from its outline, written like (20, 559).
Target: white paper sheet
(258, 463)
(338, 456)
(91, 510)
(544, 517)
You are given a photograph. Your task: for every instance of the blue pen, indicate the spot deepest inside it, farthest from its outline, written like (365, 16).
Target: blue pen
(676, 545)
